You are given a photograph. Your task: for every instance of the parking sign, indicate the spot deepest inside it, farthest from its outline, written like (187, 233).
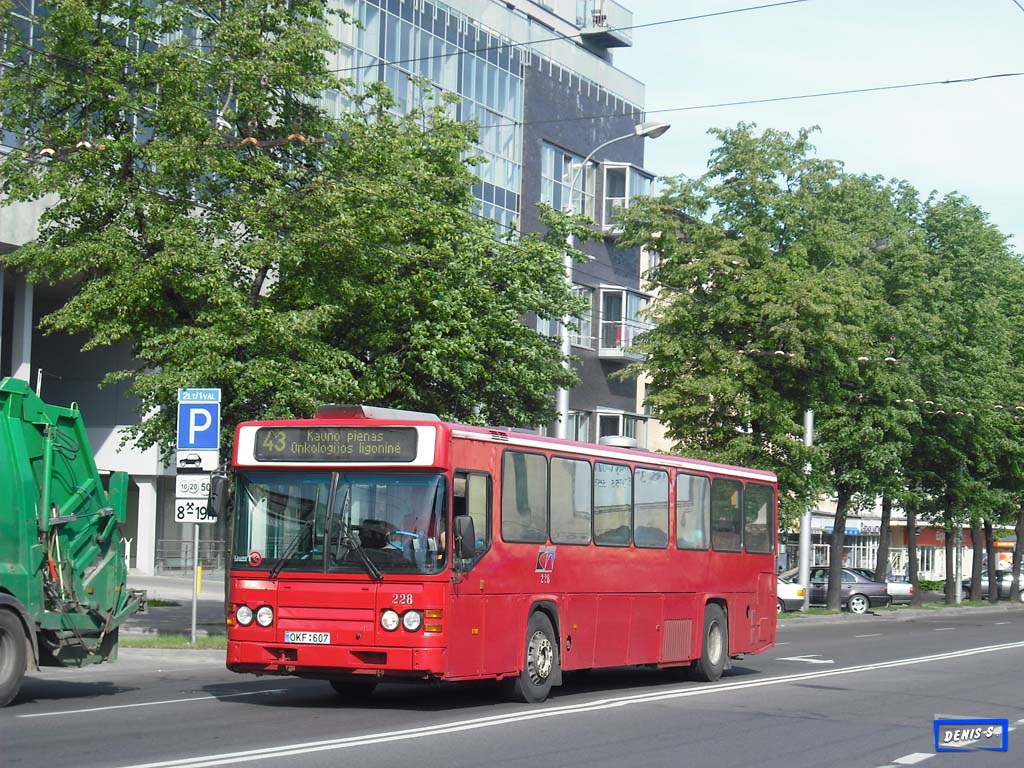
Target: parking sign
(198, 426)
(198, 429)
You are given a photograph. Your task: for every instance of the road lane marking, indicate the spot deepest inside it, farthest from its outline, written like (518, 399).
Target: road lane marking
(997, 623)
(877, 634)
(913, 758)
(783, 644)
(288, 750)
(807, 657)
(152, 703)
(944, 629)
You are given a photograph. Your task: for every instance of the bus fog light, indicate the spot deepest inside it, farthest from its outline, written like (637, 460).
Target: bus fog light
(265, 616)
(389, 620)
(244, 615)
(412, 620)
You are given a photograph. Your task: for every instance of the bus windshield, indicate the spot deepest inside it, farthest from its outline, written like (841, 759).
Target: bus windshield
(340, 522)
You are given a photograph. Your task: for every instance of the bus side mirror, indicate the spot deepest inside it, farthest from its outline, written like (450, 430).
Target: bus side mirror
(216, 504)
(465, 537)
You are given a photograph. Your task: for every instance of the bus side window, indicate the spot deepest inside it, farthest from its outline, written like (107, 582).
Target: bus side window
(472, 496)
(726, 515)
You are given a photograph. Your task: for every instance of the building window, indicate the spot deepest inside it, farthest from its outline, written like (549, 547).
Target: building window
(556, 174)
(579, 426)
(621, 322)
(548, 326)
(584, 337)
(622, 425)
(621, 184)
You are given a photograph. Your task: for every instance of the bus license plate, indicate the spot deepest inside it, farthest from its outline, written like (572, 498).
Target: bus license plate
(314, 638)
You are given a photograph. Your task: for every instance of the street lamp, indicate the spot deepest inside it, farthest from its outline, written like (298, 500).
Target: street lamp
(646, 130)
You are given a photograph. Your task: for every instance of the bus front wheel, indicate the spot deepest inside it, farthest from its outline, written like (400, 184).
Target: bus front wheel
(714, 645)
(540, 662)
(12, 656)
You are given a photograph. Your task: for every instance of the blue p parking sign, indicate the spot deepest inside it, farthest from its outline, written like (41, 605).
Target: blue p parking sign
(198, 426)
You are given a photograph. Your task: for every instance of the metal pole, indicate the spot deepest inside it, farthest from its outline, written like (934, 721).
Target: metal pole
(805, 524)
(195, 579)
(562, 395)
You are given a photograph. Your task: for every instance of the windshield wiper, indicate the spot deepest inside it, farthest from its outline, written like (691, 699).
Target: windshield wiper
(349, 538)
(292, 546)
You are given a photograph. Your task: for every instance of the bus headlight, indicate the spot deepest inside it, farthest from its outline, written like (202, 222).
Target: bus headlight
(244, 615)
(265, 616)
(389, 620)
(412, 620)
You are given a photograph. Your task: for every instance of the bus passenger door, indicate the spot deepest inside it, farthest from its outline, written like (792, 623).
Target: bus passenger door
(471, 495)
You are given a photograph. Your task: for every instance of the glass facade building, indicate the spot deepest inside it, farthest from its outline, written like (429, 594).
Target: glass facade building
(537, 77)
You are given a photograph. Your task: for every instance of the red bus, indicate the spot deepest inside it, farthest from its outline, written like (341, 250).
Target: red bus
(373, 545)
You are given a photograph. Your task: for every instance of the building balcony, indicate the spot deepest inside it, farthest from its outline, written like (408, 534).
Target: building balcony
(617, 338)
(604, 23)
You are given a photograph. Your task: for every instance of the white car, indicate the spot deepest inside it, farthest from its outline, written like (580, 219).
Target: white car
(790, 596)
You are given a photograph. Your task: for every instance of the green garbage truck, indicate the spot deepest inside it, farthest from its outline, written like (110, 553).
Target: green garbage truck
(63, 590)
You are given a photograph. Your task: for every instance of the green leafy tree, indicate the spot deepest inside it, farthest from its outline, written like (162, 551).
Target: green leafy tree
(771, 296)
(209, 210)
(965, 365)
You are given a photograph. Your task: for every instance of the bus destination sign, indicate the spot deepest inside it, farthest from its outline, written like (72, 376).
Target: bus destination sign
(336, 444)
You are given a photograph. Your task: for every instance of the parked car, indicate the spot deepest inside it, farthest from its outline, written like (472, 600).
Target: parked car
(1004, 580)
(791, 596)
(900, 588)
(858, 592)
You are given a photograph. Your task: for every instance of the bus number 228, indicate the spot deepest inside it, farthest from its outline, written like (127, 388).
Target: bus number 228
(404, 599)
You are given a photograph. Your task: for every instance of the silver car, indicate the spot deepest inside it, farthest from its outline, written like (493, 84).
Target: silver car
(900, 591)
(1004, 580)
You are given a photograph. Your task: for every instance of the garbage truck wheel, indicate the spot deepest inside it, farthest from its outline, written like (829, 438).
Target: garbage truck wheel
(12, 656)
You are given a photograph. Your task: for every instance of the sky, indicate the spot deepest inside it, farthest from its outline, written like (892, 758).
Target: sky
(966, 138)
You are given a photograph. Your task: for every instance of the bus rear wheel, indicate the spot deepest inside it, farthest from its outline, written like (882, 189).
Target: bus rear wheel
(12, 656)
(714, 648)
(533, 684)
(353, 692)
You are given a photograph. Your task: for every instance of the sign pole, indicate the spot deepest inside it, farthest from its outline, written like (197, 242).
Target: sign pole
(195, 579)
(198, 454)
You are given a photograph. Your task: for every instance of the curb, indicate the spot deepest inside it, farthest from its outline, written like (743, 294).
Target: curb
(902, 614)
(157, 632)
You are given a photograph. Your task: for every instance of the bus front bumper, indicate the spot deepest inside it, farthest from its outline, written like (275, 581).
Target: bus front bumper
(329, 661)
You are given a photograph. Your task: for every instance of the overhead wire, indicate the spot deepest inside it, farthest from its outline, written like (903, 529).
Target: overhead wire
(526, 43)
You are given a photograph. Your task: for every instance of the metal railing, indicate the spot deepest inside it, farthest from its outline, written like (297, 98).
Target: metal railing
(605, 14)
(176, 554)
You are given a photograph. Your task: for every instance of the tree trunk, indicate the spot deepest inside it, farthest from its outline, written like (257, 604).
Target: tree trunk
(976, 548)
(990, 552)
(835, 562)
(1019, 530)
(917, 598)
(950, 567)
(882, 560)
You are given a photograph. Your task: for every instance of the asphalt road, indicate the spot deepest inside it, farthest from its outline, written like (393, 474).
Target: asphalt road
(860, 692)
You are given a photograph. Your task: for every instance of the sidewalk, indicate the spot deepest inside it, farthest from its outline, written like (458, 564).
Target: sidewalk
(176, 619)
(934, 606)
